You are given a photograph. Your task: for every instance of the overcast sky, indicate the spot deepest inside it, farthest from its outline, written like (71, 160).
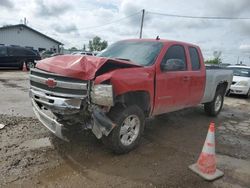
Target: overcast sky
(75, 22)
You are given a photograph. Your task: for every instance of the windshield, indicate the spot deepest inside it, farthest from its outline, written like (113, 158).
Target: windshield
(244, 72)
(140, 52)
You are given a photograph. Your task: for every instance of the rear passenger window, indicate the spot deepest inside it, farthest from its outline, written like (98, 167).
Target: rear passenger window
(3, 51)
(16, 52)
(195, 60)
(29, 53)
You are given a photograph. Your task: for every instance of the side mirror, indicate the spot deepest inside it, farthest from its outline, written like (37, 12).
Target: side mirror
(173, 65)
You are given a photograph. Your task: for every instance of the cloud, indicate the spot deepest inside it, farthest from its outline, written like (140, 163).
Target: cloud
(71, 22)
(105, 4)
(230, 8)
(6, 4)
(242, 27)
(46, 8)
(129, 8)
(245, 48)
(70, 28)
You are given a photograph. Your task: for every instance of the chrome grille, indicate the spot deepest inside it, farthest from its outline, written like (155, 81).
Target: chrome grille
(64, 86)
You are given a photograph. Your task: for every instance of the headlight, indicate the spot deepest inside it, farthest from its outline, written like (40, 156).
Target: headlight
(242, 83)
(102, 94)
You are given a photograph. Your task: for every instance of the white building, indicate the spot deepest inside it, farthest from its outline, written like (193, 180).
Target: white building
(22, 35)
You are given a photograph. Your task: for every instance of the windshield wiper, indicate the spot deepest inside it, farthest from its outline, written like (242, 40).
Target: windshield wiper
(122, 59)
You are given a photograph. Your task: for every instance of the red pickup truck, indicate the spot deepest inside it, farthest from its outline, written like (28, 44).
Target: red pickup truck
(113, 93)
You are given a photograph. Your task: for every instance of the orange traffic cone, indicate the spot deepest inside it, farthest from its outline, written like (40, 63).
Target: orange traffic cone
(24, 67)
(206, 164)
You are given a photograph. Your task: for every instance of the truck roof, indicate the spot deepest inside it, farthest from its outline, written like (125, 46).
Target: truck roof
(163, 41)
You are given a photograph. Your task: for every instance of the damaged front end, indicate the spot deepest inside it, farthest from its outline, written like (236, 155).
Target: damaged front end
(64, 104)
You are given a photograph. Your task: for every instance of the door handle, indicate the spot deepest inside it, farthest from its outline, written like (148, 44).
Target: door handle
(186, 78)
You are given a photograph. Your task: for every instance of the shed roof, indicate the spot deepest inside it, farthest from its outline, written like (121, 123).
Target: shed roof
(27, 27)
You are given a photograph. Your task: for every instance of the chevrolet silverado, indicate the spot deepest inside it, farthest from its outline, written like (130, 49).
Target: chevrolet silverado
(131, 80)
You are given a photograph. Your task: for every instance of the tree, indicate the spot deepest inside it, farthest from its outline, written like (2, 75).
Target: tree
(96, 44)
(73, 49)
(214, 61)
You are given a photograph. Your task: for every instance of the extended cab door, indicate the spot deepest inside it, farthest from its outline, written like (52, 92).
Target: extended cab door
(172, 81)
(197, 76)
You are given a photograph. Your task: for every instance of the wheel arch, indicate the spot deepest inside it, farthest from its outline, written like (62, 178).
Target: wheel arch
(223, 86)
(139, 98)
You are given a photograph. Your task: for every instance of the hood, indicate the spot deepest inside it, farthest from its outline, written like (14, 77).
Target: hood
(240, 78)
(82, 67)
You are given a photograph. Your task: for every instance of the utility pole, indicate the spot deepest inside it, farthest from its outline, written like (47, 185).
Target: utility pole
(142, 20)
(25, 21)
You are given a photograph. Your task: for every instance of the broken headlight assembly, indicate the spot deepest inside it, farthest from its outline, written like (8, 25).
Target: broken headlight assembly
(102, 94)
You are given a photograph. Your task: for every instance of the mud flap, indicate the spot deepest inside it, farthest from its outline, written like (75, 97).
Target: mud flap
(102, 124)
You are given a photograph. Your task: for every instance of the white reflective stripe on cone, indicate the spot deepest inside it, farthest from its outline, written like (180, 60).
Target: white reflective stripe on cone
(209, 145)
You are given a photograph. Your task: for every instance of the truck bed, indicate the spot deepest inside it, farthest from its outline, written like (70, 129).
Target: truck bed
(214, 76)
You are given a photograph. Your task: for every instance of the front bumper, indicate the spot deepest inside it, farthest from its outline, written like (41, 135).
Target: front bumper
(57, 104)
(239, 90)
(45, 106)
(49, 122)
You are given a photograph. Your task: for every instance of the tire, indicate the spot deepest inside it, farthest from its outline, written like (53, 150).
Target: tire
(228, 93)
(30, 65)
(213, 108)
(130, 126)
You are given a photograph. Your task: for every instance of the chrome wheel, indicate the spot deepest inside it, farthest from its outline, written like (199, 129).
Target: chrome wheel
(30, 65)
(129, 130)
(218, 102)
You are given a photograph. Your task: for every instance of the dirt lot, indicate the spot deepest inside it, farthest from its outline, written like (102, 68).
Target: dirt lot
(31, 157)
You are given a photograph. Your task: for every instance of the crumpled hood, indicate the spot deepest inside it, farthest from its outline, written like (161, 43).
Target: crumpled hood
(81, 67)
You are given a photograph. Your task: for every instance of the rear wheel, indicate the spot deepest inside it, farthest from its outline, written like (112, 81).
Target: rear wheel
(213, 108)
(127, 134)
(21, 66)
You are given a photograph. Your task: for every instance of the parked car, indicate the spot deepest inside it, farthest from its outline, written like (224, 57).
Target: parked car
(241, 80)
(114, 92)
(46, 54)
(15, 57)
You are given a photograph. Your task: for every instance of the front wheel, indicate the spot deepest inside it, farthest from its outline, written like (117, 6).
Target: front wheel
(127, 134)
(30, 65)
(213, 108)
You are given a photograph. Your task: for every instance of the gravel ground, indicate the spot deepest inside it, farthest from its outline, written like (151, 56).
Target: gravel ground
(31, 157)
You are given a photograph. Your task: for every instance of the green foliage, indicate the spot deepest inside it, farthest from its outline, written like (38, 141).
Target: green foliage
(215, 61)
(96, 44)
(73, 49)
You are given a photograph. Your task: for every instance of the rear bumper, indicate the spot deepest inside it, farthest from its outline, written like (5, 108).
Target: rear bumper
(239, 90)
(50, 123)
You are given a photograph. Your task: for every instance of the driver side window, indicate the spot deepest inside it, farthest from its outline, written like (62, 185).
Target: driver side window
(174, 59)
